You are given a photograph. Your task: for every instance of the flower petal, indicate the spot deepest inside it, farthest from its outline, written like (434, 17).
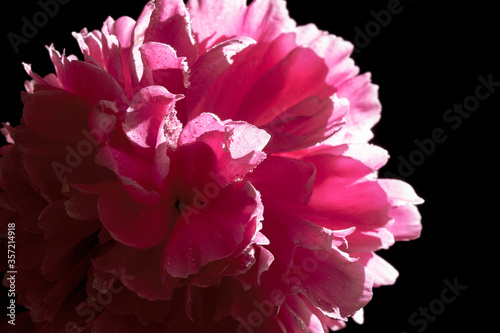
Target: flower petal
(338, 285)
(214, 22)
(145, 116)
(215, 229)
(132, 223)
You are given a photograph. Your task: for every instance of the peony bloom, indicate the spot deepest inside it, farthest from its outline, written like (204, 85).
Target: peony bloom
(204, 168)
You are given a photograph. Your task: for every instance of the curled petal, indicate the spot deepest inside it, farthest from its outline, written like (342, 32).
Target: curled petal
(169, 23)
(145, 116)
(213, 235)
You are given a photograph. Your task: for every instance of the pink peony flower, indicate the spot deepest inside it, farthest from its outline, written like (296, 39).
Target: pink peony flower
(204, 168)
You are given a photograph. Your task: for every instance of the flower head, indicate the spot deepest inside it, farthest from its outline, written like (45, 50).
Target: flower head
(203, 168)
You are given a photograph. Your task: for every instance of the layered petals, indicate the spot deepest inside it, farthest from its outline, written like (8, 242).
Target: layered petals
(205, 167)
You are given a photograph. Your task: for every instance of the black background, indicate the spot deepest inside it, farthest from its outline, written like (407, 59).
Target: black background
(425, 60)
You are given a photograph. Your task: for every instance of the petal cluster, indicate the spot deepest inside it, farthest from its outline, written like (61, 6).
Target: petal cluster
(204, 168)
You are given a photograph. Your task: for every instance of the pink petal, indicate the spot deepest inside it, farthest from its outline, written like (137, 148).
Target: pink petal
(204, 123)
(295, 183)
(102, 120)
(134, 173)
(364, 110)
(56, 114)
(139, 270)
(122, 29)
(145, 116)
(213, 235)
(333, 49)
(51, 163)
(283, 86)
(264, 259)
(214, 22)
(236, 146)
(169, 24)
(120, 66)
(366, 240)
(132, 223)
(82, 206)
(123, 301)
(372, 156)
(109, 48)
(400, 192)
(87, 81)
(338, 285)
(306, 123)
(168, 134)
(341, 197)
(298, 315)
(22, 199)
(383, 273)
(50, 79)
(255, 60)
(246, 139)
(163, 67)
(406, 225)
(210, 65)
(61, 231)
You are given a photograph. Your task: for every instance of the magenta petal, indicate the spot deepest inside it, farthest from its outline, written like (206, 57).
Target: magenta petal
(120, 66)
(249, 61)
(210, 65)
(132, 223)
(145, 115)
(82, 206)
(87, 81)
(236, 146)
(168, 134)
(264, 259)
(295, 183)
(363, 204)
(163, 67)
(342, 196)
(168, 24)
(62, 231)
(299, 315)
(56, 114)
(102, 120)
(139, 270)
(202, 124)
(283, 86)
(306, 123)
(134, 173)
(215, 229)
(147, 166)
